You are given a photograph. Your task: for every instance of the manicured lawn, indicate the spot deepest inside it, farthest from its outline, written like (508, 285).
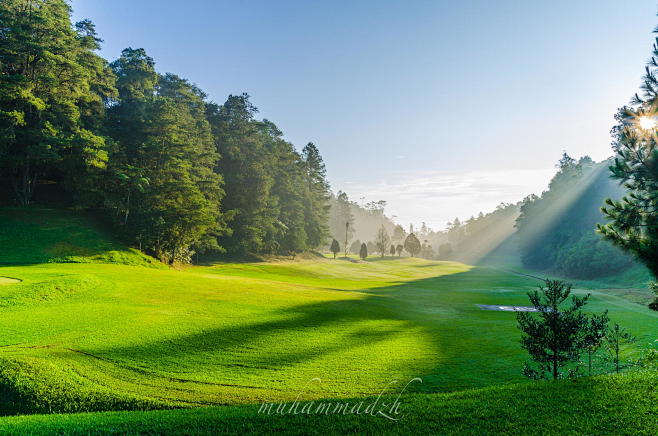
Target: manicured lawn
(118, 331)
(612, 405)
(98, 336)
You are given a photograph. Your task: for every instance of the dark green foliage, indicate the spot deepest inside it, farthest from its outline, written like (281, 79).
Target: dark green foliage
(162, 188)
(363, 252)
(335, 247)
(276, 198)
(412, 245)
(556, 231)
(53, 90)
(316, 210)
(399, 249)
(392, 250)
(169, 168)
(555, 337)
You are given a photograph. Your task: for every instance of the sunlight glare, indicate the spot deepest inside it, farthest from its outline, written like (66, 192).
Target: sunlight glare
(647, 123)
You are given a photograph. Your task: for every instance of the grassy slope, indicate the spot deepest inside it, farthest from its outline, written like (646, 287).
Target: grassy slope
(34, 235)
(619, 405)
(76, 337)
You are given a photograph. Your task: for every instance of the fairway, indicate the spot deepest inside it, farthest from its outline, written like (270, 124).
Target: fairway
(89, 336)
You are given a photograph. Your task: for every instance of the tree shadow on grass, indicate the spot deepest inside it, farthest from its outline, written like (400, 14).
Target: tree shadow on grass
(423, 309)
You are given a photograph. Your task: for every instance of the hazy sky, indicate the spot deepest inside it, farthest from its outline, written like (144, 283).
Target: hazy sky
(442, 108)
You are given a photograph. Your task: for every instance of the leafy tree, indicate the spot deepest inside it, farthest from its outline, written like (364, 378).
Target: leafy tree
(554, 338)
(53, 94)
(399, 249)
(383, 241)
(355, 247)
(392, 250)
(363, 252)
(412, 245)
(615, 338)
(594, 336)
(335, 247)
(162, 188)
(245, 167)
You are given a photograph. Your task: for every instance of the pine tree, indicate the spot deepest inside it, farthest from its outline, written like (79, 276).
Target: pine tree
(363, 252)
(634, 218)
(335, 247)
(555, 337)
(317, 200)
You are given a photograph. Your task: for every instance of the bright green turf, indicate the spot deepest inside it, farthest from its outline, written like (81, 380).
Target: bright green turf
(611, 405)
(106, 336)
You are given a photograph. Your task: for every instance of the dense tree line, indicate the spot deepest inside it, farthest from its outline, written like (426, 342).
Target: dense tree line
(175, 172)
(556, 231)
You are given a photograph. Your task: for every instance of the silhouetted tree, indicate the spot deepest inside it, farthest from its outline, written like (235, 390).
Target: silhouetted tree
(399, 249)
(363, 252)
(335, 247)
(392, 250)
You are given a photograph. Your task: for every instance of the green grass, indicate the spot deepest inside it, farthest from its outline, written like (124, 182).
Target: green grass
(613, 405)
(35, 235)
(94, 336)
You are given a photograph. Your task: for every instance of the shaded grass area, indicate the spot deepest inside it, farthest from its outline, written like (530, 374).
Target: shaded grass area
(619, 405)
(37, 235)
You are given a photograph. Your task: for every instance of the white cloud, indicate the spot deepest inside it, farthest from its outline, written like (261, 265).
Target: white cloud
(439, 197)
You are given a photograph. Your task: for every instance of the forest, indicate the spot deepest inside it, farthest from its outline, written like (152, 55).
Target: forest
(173, 172)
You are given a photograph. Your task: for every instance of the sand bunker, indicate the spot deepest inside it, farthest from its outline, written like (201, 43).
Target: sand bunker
(507, 308)
(8, 281)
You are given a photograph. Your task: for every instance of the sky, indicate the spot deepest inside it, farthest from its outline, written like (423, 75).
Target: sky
(441, 108)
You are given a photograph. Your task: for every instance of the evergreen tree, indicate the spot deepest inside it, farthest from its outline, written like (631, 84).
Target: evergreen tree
(162, 186)
(634, 218)
(363, 252)
(412, 245)
(554, 338)
(317, 199)
(392, 250)
(245, 168)
(53, 92)
(399, 249)
(335, 247)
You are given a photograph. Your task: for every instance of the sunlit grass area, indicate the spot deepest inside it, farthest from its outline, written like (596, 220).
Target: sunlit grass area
(100, 336)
